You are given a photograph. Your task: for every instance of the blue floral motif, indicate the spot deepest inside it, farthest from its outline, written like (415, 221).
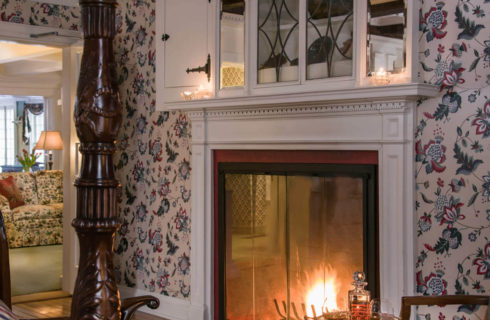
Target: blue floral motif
(182, 221)
(184, 264)
(155, 239)
(141, 212)
(184, 169)
(486, 187)
(433, 22)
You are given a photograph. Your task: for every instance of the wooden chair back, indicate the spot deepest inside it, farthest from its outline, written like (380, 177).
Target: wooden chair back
(408, 302)
(5, 294)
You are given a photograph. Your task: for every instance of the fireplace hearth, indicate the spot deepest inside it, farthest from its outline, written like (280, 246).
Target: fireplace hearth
(291, 232)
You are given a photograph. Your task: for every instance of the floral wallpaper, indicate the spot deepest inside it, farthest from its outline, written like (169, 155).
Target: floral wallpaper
(153, 161)
(153, 166)
(39, 14)
(452, 152)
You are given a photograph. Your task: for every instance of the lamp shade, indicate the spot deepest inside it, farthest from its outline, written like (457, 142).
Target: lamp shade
(49, 140)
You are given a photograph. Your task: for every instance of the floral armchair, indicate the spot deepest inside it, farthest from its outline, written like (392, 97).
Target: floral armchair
(39, 220)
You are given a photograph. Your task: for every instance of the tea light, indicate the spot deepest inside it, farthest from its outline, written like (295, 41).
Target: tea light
(200, 93)
(381, 77)
(187, 95)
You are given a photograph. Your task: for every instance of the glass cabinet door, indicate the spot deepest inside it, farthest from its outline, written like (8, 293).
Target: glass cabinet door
(232, 44)
(329, 38)
(278, 41)
(386, 36)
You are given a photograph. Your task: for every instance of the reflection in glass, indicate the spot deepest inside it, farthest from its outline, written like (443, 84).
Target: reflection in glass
(286, 235)
(329, 38)
(232, 44)
(386, 36)
(278, 30)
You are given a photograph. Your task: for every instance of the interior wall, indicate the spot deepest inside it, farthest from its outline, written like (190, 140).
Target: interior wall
(453, 151)
(54, 122)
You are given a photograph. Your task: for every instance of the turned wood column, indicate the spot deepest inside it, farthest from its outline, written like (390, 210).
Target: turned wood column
(97, 119)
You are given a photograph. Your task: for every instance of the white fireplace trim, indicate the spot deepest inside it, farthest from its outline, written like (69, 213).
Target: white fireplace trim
(378, 123)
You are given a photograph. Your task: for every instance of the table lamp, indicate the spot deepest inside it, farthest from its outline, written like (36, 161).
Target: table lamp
(49, 141)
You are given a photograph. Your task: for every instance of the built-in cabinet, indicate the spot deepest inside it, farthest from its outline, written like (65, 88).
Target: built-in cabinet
(218, 52)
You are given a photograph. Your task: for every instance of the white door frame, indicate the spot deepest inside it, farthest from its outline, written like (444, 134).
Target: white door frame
(70, 42)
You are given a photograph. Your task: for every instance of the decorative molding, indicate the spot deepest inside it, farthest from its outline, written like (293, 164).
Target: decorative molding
(349, 95)
(295, 110)
(16, 31)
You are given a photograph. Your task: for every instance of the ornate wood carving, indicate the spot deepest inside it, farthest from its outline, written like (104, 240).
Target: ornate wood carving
(98, 116)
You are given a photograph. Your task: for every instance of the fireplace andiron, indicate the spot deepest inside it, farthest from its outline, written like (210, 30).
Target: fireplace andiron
(359, 305)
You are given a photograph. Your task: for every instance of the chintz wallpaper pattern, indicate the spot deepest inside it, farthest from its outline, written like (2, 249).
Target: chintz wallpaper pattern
(452, 151)
(153, 166)
(39, 14)
(153, 158)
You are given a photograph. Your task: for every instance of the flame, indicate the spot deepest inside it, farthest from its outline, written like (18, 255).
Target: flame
(323, 294)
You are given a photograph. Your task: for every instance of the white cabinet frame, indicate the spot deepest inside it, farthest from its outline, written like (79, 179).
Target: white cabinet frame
(317, 87)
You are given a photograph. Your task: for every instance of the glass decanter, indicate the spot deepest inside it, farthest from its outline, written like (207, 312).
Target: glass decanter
(359, 298)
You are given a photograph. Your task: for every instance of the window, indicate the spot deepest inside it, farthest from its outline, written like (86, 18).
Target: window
(7, 134)
(22, 118)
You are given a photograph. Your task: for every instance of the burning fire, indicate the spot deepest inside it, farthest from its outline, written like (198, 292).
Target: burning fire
(323, 294)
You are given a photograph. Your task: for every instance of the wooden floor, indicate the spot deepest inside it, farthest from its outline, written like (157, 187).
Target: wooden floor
(57, 308)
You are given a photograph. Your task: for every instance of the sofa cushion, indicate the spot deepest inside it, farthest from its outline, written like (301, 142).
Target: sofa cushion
(49, 186)
(26, 183)
(9, 190)
(35, 212)
(42, 232)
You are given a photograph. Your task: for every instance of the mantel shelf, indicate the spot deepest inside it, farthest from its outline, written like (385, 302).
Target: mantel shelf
(411, 91)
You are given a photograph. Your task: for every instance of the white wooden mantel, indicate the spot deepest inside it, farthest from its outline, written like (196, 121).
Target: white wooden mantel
(376, 118)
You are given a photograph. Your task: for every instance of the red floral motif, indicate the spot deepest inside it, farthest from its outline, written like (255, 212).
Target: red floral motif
(432, 154)
(481, 125)
(482, 121)
(14, 17)
(433, 22)
(483, 262)
(452, 78)
(451, 214)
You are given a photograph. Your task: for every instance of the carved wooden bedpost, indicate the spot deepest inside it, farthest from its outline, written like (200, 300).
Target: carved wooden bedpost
(98, 116)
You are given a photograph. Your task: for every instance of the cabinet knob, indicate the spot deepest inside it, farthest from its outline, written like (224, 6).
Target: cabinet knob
(165, 37)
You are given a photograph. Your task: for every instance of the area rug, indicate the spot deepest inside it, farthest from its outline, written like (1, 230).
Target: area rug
(36, 269)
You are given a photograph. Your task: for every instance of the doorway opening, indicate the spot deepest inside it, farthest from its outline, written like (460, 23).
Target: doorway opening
(39, 75)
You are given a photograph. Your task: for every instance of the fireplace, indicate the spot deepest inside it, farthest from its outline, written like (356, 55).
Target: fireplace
(379, 119)
(292, 228)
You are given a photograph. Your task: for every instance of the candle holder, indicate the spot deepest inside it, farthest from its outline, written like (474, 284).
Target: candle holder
(381, 77)
(200, 93)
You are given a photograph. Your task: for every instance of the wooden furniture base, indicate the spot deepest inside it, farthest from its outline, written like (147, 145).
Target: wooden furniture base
(98, 116)
(408, 302)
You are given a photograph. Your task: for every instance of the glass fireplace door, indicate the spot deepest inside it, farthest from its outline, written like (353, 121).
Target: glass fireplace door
(290, 241)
